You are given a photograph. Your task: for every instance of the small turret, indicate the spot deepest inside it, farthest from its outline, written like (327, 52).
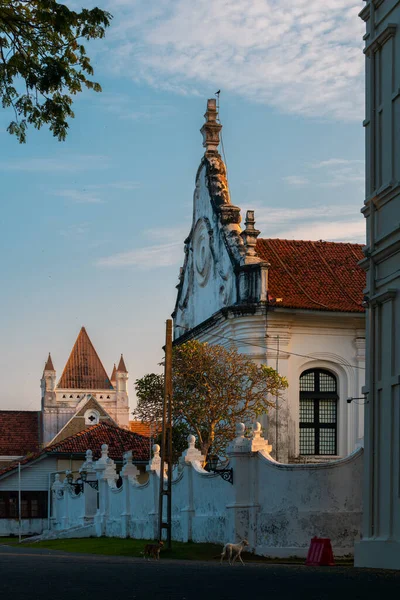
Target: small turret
(121, 376)
(48, 382)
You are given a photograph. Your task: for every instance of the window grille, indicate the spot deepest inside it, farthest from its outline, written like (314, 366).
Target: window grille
(33, 505)
(318, 413)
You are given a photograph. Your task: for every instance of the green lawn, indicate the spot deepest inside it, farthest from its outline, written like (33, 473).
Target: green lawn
(134, 548)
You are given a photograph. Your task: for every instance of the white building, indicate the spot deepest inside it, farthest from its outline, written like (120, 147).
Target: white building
(83, 377)
(380, 546)
(293, 304)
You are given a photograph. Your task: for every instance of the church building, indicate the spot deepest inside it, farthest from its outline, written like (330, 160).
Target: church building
(84, 391)
(294, 305)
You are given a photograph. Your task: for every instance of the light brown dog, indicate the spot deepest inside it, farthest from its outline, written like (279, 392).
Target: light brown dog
(153, 550)
(235, 549)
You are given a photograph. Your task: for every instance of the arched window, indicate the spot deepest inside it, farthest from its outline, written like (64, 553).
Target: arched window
(318, 412)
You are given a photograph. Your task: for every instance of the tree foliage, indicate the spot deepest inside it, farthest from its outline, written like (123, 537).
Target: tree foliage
(43, 62)
(213, 389)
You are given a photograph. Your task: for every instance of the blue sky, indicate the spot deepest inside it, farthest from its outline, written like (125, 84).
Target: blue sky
(93, 228)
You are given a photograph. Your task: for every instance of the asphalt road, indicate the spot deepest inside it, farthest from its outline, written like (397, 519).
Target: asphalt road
(52, 575)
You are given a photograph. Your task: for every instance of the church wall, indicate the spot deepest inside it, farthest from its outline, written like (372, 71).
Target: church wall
(332, 341)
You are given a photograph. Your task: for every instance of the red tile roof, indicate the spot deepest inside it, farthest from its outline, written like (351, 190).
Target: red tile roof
(119, 441)
(314, 275)
(19, 432)
(121, 367)
(146, 429)
(49, 364)
(84, 370)
(113, 377)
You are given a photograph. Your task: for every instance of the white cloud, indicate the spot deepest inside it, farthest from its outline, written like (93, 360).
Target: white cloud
(338, 223)
(300, 56)
(79, 196)
(334, 231)
(150, 257)
(333, 172)
(296, 180)
(47, 164)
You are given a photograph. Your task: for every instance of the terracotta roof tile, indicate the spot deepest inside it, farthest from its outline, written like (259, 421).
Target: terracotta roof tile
(113, 377)
(84, 370)
(49, 364)
(146, 429)
(121, 367)
(314, 275)
(19, 432)
(119, 441)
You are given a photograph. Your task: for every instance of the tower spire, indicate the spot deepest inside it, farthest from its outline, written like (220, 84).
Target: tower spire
(121, 366)
(49, 364)
(211, 128)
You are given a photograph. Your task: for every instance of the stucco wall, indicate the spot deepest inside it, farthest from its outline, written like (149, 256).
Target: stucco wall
(277, 507)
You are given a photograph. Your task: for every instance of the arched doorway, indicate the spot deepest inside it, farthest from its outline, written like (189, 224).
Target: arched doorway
(318, 413)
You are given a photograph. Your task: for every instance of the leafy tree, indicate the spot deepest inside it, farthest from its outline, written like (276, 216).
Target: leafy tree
(43, 63)
(150, 394)
(213, 389)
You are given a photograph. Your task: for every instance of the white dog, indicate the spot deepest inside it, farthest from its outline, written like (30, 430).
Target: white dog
(235, 549)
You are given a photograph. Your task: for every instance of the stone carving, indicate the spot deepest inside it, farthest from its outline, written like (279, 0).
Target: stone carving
(155, 463)
(191, 454)
(250, 235)
(258, 443)
(202, 240)
(129, 470)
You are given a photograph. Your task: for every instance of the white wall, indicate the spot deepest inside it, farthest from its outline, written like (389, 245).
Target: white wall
(278, 508)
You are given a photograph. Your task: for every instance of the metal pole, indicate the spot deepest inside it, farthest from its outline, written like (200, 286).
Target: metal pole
(19, 501)
(276, 402)
(166, 440)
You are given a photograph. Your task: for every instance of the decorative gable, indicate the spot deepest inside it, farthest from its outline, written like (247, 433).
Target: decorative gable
(221, 267)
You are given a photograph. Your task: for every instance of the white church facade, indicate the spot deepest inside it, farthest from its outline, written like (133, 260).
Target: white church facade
(83, 378)
(294, 305)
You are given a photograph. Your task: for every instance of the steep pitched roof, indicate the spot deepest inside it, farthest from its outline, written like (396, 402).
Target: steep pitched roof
(314, 275)
(113, 377)
(49, 364)
(84, 370)
(121, 366)
(19, 432)
(119, 441)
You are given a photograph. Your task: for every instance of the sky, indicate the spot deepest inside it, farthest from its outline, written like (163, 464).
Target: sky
(92, 229)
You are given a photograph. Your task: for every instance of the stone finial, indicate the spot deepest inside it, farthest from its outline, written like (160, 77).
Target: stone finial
(129, 469)
(155, 463)
(240, 429)
(258, 443)
(191, 454)
(88, 465)
(249, 236)
(240, 443)
(211, 128)
(104, 452)
(57, 485)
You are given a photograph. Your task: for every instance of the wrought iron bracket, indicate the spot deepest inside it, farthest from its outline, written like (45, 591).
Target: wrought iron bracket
(93, 484)
(226, 474)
